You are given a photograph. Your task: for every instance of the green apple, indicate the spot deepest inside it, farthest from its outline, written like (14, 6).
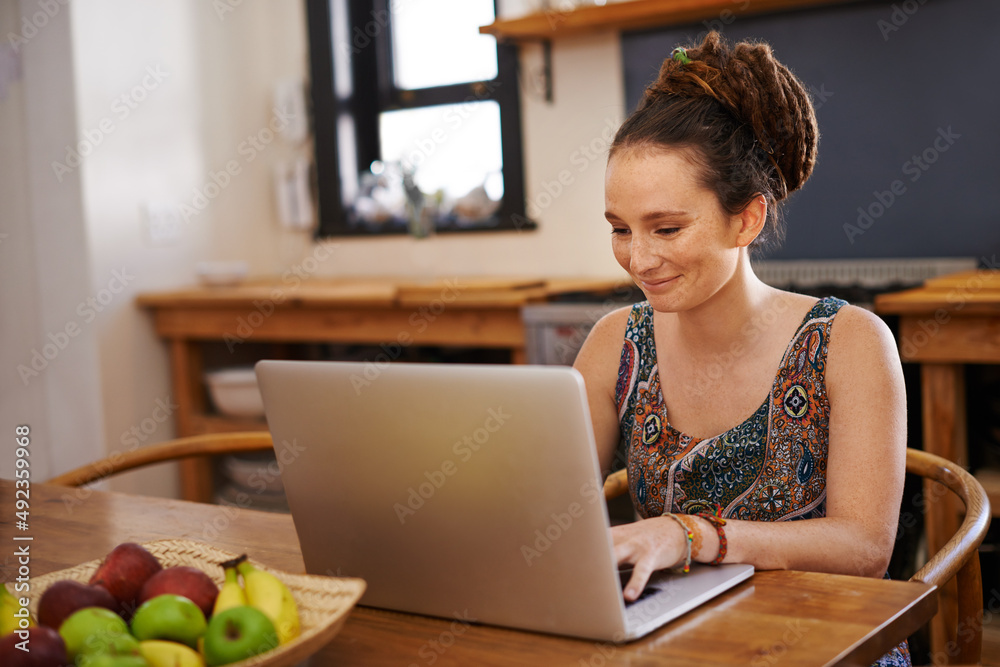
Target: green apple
(170, 617)
(93, 630)
(122, 647)
(236, 634)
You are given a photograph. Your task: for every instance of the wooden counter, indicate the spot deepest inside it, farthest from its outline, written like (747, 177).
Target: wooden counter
(944, 324)
(461, 312)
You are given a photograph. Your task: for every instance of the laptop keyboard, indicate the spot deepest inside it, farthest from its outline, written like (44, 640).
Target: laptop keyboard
(623, 576)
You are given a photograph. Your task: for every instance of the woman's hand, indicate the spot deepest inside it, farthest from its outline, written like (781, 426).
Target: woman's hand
(648, 545)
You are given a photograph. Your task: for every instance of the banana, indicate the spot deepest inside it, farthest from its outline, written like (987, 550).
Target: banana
(269, 594)
(12, 615)
(231, 594)
(159, 653)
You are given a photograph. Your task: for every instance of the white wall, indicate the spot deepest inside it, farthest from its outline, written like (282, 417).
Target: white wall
(197, 84)
(48, 350)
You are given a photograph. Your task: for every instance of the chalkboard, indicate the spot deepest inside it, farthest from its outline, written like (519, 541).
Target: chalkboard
(908, 101)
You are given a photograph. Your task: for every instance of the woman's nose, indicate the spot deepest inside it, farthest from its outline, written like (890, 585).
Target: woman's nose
(643, 257)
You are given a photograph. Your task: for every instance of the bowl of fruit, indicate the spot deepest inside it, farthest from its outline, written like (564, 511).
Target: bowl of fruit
(172, 602)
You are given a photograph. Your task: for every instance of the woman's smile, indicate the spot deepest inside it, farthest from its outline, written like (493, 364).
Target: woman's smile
(656, 285)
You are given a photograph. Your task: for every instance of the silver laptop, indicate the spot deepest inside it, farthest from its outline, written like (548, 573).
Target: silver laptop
(468, 492)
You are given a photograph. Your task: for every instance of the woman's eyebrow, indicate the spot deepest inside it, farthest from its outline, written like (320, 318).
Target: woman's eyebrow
(652, 215)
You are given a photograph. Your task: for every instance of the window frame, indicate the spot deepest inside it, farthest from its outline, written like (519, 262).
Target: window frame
(373, 92)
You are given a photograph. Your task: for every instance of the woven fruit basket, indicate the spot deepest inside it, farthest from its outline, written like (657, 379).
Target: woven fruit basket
(323, 602)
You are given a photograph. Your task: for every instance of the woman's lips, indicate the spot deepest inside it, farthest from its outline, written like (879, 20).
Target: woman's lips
(656, 284)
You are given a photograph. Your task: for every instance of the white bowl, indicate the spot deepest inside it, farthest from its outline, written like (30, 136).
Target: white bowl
(255, 471)
(235, 393)
(222, 274)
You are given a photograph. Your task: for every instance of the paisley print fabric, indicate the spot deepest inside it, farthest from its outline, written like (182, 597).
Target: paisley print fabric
(771, 467)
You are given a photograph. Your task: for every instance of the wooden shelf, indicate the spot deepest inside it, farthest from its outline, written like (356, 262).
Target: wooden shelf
(635, 15)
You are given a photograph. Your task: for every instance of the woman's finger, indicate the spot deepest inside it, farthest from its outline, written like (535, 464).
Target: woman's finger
(641, 572)
(624, 547)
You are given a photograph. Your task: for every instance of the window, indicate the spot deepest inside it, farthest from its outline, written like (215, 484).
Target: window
(416, 117)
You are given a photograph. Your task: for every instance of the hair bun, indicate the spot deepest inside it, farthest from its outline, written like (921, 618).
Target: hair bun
(758, 91)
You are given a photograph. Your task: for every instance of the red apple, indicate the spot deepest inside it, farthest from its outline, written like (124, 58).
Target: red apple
(45, 648)
(123, 572)
(189, 582)
(64, 597)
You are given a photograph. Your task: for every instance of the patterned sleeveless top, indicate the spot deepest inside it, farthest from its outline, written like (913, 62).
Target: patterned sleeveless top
(771, 467)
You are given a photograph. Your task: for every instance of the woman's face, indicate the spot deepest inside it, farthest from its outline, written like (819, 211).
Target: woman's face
(668, 231)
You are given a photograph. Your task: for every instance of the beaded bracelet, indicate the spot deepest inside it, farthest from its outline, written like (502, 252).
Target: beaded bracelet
(690, 538)
(718, 522)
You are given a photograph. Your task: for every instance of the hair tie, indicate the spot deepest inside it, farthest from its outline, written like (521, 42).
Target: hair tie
(680, 55)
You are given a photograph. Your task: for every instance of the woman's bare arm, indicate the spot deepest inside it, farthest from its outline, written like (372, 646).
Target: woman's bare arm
(598, 361)
(865, 466)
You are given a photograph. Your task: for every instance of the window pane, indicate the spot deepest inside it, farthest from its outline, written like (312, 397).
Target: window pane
(437, 42)
(451, 147)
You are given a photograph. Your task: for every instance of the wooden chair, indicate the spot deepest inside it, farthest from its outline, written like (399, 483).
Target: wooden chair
(212, 444)
(959, 557)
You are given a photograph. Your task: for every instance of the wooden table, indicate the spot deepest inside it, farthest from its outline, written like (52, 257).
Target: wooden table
(293, 308)
(773, 618)
(944, 324)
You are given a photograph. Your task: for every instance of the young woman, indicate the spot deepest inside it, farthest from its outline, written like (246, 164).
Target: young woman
(761, 426)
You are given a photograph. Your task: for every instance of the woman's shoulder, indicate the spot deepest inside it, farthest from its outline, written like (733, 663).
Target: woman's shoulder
(856, 324)
(609, 331)
(601, 350)
(850, 326)
(860, 342)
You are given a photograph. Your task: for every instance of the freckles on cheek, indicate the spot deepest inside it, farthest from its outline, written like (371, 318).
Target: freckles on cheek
(621, 254)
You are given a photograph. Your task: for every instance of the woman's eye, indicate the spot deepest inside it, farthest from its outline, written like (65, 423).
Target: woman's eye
(668, 230)
(617, 231)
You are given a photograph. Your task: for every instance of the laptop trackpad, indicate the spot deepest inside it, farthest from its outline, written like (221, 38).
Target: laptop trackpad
(668, 595)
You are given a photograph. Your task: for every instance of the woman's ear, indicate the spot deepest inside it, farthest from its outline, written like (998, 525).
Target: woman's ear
(751, 220)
